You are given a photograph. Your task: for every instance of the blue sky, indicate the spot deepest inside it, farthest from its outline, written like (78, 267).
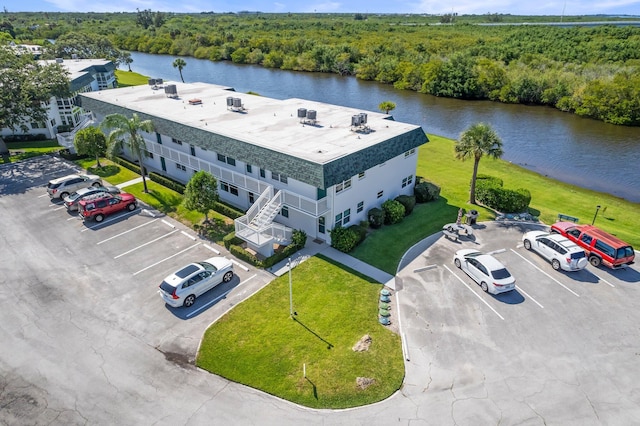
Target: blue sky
(514, 7)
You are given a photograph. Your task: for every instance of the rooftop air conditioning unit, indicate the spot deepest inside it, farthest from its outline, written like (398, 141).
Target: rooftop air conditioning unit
(302, 113)
(171, 90)
(311, 115)
(229, 101)
(237, 103)
(355, 120)
(152, 82)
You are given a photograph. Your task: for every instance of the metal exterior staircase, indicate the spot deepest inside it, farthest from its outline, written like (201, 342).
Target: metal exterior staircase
(257, 226)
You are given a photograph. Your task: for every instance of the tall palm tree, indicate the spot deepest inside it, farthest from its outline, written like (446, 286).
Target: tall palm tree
(180, 64)
(477, 141)
(124, 131)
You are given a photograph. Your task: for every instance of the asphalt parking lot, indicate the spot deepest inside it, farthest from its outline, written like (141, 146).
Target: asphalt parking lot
(560, 349)
(86, 339)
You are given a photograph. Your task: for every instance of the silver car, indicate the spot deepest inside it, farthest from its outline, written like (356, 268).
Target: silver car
(62, 187)
(183, 286)
(560, 251)
(486, 270)
(71, 201)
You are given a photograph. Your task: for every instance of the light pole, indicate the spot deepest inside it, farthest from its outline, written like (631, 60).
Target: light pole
(290, 291)
(595, 215)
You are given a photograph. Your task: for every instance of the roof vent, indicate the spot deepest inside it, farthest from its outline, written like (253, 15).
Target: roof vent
(235, 104)
(171, 91)
(359, 123)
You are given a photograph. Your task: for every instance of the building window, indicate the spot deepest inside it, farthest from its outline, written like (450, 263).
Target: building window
(339, 219)
(224, 186)
(343, 186)
(361, 175)
(181, 167)
(407, 181)
(174, 140)
(233, 190)
(231, 161)
(222, 158)
(159, 138)
(360, 206)
(193, 150)
(252, 198)
(249, 170)
(148, 154)
(262, 173)
(410, 152)
(279, 177)
(380, 194)
(346, 216)
(284, 211)
(321, 224)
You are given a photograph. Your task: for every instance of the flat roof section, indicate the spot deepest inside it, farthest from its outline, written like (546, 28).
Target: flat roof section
(269, 123)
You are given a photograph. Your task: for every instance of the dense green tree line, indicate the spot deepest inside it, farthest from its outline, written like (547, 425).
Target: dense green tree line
(592, 71)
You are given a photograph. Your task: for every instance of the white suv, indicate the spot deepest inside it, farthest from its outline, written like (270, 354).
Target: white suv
(62, 187)
(560, 251)
(182, 287)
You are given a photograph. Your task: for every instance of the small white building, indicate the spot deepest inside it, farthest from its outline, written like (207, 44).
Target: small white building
(290, 164)
(64, 117)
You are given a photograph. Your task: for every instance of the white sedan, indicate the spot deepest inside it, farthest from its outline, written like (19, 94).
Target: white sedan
(183, 286)
(485, 270)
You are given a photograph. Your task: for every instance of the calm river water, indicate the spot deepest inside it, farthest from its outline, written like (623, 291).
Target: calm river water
(568, 148)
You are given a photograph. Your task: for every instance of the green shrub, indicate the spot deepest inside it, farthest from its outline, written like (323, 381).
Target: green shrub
(242, 254)
(426, 191)
(393, 212)
(361, 231)
(298, 238)
(167, 182)
(127, 164)
(489, 191)
(408, 201)
(227, 210)
(344, 239)
(376, 217)
(231, 239)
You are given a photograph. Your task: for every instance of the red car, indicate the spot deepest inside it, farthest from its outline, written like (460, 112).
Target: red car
(601, 248)
(98, 208)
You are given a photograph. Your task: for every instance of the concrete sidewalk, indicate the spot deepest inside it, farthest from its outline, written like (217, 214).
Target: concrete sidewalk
(129, 183)
(312, 248)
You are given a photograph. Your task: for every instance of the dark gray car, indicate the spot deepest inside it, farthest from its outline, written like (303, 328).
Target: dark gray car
(71, 201)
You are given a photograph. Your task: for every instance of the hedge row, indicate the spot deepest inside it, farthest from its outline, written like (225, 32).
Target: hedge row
(489, 191)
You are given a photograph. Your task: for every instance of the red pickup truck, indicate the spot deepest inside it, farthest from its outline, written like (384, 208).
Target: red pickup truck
(601, 248)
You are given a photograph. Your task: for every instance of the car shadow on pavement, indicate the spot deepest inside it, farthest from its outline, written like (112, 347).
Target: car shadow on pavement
(108, 220)
(512, 297)
(627, 274)
(205, 301)
(583, 275)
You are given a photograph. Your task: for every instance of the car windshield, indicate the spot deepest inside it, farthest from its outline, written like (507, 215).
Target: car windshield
(73, 195)
(208, 267)
(500, 274)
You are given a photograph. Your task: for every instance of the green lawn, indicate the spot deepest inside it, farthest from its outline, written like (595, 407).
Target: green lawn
(259, 345)
(109, 171)
(127, 78)
(22, 150)
(436, 163)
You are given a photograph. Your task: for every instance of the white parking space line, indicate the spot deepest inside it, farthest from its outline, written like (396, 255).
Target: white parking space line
(211, 248)
(474, 293)
(240, 265)
(168, 224)
(556, 281)
(525, 293)
(89, 228)
(600, 278)
(425, 268)
(222, 296)
(126, 232)
(145, 244)
(167, 258)
(60, 208)
(188, 236)
(43, 195)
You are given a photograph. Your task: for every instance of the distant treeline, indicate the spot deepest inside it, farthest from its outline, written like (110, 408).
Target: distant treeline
(592, 71)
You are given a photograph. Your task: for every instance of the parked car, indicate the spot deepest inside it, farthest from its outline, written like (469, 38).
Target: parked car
(485, 270)
(71, 201)
(183, 286)
(557, 249)
(99, 207)
(601, 248)
(62, 187)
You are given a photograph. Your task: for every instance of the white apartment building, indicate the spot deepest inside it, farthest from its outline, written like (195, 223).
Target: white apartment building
(64, 117)
(290, 164)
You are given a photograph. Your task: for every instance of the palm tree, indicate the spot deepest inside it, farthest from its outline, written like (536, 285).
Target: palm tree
(387, 106)
(180, 64)
(124, 131)
(475, 142)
